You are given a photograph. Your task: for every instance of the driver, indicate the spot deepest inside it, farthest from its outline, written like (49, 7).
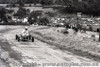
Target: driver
(25, 32)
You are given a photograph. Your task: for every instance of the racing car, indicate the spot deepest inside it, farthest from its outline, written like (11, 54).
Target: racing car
(22, 37)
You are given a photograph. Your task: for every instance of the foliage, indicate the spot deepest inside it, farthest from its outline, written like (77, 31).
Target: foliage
(85, 8)
(44, 21)
(10, 11)
(50, 14)
(20, 2)
(46, 2)
(21, 12)
(34, 16)
(3, 12)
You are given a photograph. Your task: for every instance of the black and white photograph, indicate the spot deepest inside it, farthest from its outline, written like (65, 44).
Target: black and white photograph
(49, 33)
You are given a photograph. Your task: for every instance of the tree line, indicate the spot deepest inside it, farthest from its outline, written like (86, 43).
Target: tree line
(88, 7)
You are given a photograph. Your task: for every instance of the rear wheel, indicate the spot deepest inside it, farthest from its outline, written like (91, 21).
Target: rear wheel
(32, 39)
(18, 39)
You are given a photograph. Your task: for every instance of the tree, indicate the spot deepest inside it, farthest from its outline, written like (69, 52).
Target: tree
(46, 2)
(20, 2)
(44, 21)
(21, 12)
(51, 14)
(34, 16)
(3, 14)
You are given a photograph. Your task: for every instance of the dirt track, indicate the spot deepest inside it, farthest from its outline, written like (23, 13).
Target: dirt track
(39, 52)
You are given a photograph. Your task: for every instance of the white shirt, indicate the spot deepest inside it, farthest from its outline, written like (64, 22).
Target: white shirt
(25, 32)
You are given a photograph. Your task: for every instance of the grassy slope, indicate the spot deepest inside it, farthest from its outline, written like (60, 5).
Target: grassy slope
(80, 44)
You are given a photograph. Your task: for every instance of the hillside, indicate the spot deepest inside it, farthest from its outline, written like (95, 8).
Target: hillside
(88, 7)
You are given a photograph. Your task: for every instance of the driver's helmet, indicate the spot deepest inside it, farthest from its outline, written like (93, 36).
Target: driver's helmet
(26, 28)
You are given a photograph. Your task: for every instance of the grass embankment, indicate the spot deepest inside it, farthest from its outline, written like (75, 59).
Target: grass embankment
(78, 44)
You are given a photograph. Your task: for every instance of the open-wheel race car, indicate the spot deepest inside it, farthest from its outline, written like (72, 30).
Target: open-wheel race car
(22, 37)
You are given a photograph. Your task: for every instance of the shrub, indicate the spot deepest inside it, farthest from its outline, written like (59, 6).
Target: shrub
(34, 16)
(10, 11)
(44, 21)
(51, 14)
(21, 12)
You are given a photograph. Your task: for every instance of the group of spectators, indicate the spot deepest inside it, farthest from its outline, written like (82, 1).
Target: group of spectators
(77, 27)
(83, 28)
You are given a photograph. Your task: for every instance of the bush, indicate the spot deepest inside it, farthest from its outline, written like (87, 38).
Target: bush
(21, 12)
(46, 2)
(34, 16)
(3, 14)
(44, 21)
(30, 5)
(10, 11)
(50, 14)
(13, 5)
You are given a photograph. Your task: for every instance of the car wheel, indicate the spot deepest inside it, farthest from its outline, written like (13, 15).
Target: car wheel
(29, 37)
(18, 39)
(32, 39)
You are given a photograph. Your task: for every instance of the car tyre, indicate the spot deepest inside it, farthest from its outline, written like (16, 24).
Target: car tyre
(18, 39)
(32, 39)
